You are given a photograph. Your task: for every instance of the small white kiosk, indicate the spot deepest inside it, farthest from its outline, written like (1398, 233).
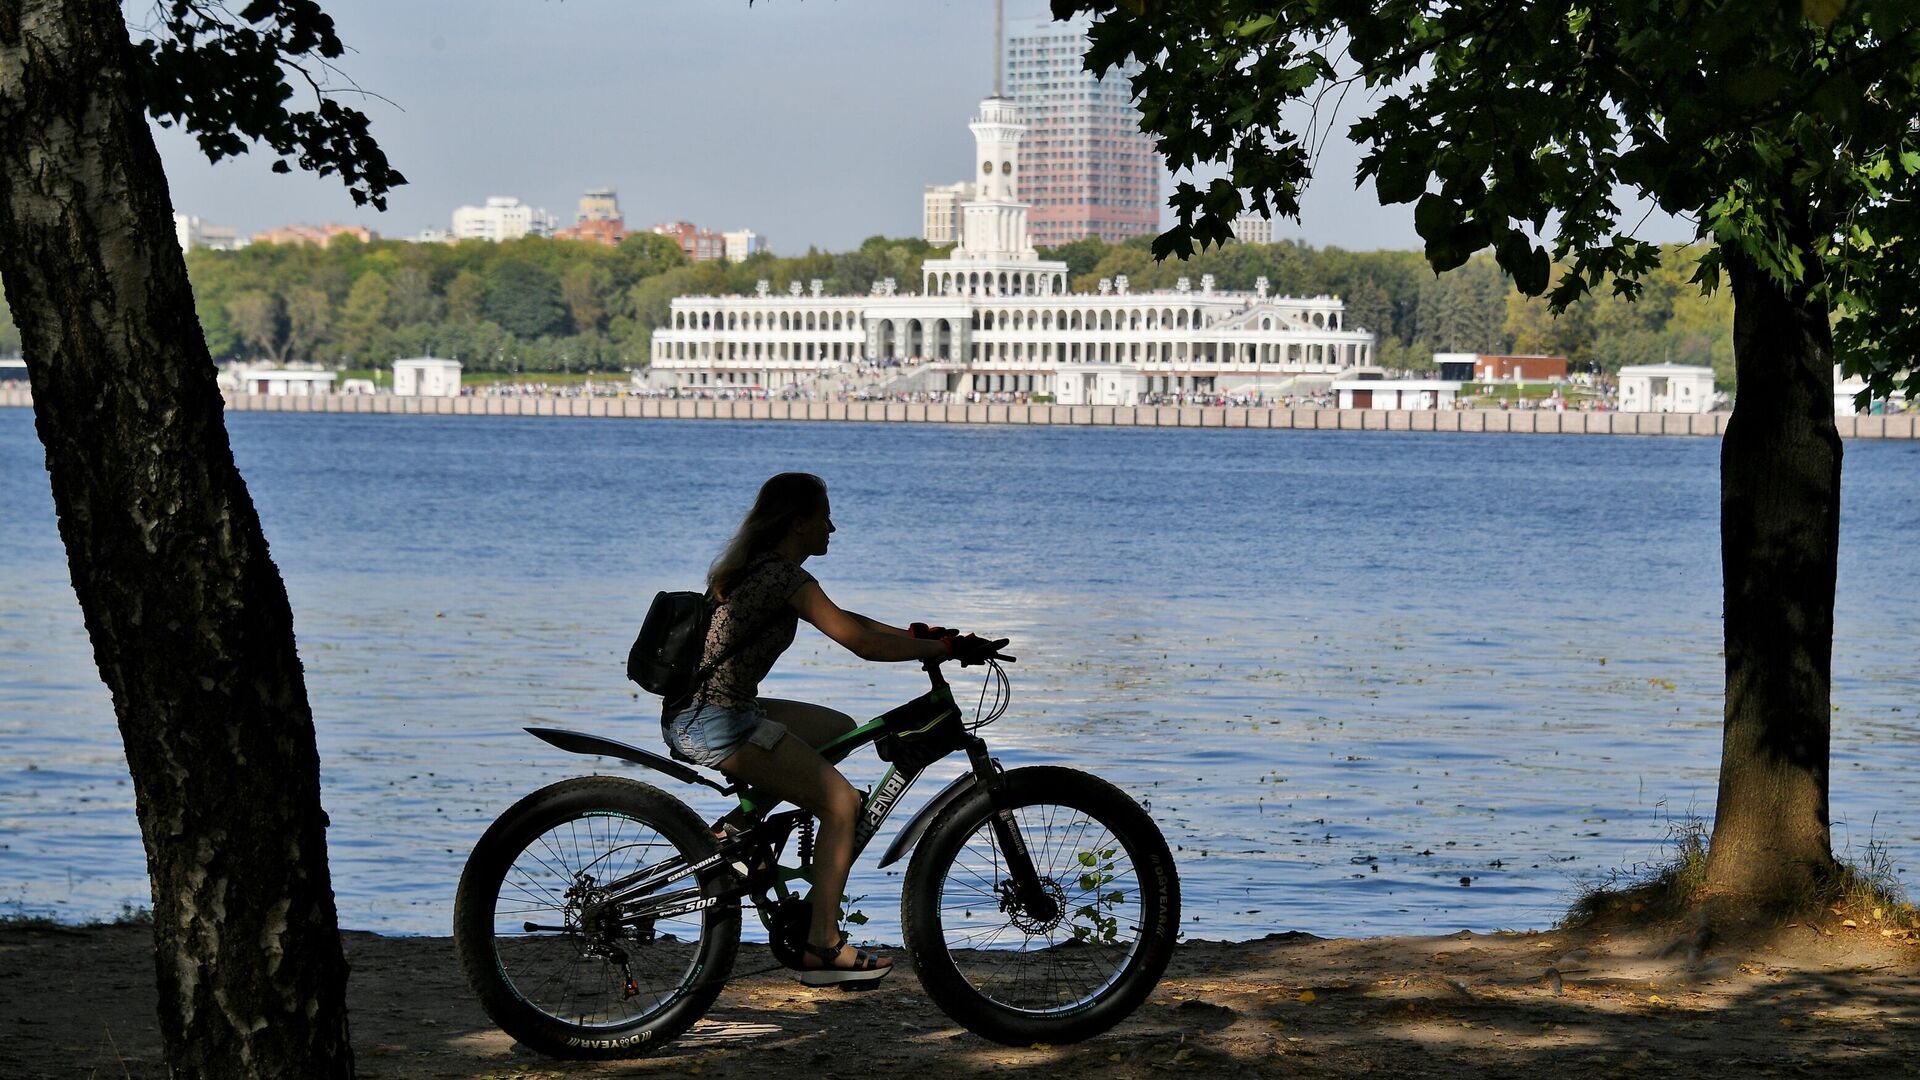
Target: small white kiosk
(1667, 388)
(426, 376)
(278, 382)
(1399, 395)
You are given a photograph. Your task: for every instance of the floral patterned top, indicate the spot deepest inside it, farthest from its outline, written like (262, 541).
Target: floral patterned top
(758, 605)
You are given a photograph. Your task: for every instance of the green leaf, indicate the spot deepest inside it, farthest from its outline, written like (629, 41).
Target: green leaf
(1821, 13)
(1755, 85)
(1434, 216)
(1400, 180)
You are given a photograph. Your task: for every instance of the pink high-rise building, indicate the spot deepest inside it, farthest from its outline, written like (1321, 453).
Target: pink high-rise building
(1086, 168)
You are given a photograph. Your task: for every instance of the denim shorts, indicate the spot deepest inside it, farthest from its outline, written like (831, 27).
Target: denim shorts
(706, 734)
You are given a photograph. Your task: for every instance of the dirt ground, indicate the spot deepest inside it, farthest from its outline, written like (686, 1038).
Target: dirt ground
(1810, 1001)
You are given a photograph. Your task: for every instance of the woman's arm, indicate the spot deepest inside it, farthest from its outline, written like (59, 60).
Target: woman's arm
(876, 625)
(860, 635)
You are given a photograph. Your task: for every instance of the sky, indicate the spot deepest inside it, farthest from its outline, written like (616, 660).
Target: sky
(816, 123)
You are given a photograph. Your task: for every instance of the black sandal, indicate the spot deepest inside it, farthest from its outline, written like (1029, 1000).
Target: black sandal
(865, 969)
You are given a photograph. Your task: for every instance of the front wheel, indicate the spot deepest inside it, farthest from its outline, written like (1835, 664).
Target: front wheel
(554, 955)
(1059, 957)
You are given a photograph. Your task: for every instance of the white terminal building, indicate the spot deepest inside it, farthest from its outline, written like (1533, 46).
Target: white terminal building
(993, 316)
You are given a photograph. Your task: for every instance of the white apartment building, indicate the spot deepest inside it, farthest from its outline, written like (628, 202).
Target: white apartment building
(994, 316)
(192, 233)
(1253, 229)
(503, 218)
(940, 211)
(742, 243)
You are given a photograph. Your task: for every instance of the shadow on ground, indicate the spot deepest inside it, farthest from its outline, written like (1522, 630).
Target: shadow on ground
(1589, 1003)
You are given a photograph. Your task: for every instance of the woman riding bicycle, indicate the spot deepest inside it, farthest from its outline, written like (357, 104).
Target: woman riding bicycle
(762, 592)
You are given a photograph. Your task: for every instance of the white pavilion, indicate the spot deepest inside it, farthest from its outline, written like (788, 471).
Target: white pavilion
(993, 316)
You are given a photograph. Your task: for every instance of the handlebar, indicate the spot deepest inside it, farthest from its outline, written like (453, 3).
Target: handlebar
(941, 633)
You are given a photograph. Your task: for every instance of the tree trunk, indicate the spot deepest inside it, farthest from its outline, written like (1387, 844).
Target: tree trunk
(190, 623)
(1779, 547)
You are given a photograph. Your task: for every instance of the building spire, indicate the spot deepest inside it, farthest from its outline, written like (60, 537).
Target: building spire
(999, 48)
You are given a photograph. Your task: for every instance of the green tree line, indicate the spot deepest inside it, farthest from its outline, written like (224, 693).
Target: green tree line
(540, 305)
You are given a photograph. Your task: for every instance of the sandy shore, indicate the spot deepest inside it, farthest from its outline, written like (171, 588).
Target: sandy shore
(1839, 1002)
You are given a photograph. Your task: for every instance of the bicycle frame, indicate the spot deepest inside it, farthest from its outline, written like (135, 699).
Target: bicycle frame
(638, 894)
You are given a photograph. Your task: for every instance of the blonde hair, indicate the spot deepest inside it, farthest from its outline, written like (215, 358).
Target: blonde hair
(783, 500)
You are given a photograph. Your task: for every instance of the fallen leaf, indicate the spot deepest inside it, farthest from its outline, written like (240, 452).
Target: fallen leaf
(1307, 997)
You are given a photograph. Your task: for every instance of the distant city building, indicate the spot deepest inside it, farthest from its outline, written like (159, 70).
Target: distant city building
(317, 235)
(426, 376)
(432, 235)
(503, 218)
(940, 211)
(992, 316)
(1087, 169)
(194, 233)
(277, 382)
(604, 231)
(697, 244)
(1520, 368)
(598, 204)
(1666, 388)
(12, 372)
(1395, 395)
(1253, 229)
(741, 243)
(1846, 392)
(1457, 366)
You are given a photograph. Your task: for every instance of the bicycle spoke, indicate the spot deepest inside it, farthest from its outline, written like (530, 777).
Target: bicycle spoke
(1034, 965)
(560, 973)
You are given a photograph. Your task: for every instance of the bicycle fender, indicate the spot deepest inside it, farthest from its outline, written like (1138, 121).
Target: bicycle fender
(910, 835)
(575, 742)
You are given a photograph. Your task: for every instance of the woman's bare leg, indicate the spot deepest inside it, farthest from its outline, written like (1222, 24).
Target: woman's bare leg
(817, 724)
(795, 772)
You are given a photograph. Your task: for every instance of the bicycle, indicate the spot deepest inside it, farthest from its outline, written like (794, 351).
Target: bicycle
(599, 916)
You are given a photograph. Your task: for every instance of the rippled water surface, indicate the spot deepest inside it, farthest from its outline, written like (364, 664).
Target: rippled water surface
(1368, 683)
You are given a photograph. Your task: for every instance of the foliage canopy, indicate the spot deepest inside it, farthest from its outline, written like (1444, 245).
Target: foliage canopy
(1785, 129)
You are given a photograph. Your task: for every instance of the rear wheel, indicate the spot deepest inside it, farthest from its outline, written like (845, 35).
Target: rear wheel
(557, 965)
(1065, 957)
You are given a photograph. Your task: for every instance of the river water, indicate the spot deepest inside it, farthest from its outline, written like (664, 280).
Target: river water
(1368, 683)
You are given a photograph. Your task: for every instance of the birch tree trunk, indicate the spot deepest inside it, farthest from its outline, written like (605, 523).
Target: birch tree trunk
(1779, 551)
(189, 620)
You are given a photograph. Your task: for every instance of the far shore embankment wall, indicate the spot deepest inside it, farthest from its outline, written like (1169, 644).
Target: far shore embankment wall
(1518, 421)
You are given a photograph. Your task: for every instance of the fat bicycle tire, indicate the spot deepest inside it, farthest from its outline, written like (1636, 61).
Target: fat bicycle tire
(1018, 980)
(545, 988)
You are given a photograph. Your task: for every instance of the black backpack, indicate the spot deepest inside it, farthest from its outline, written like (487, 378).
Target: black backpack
(665, 658)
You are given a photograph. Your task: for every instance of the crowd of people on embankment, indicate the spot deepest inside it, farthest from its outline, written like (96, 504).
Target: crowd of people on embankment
(613, 388)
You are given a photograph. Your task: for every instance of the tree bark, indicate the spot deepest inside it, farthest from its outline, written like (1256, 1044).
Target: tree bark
(1779, 549)
(189, 620)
